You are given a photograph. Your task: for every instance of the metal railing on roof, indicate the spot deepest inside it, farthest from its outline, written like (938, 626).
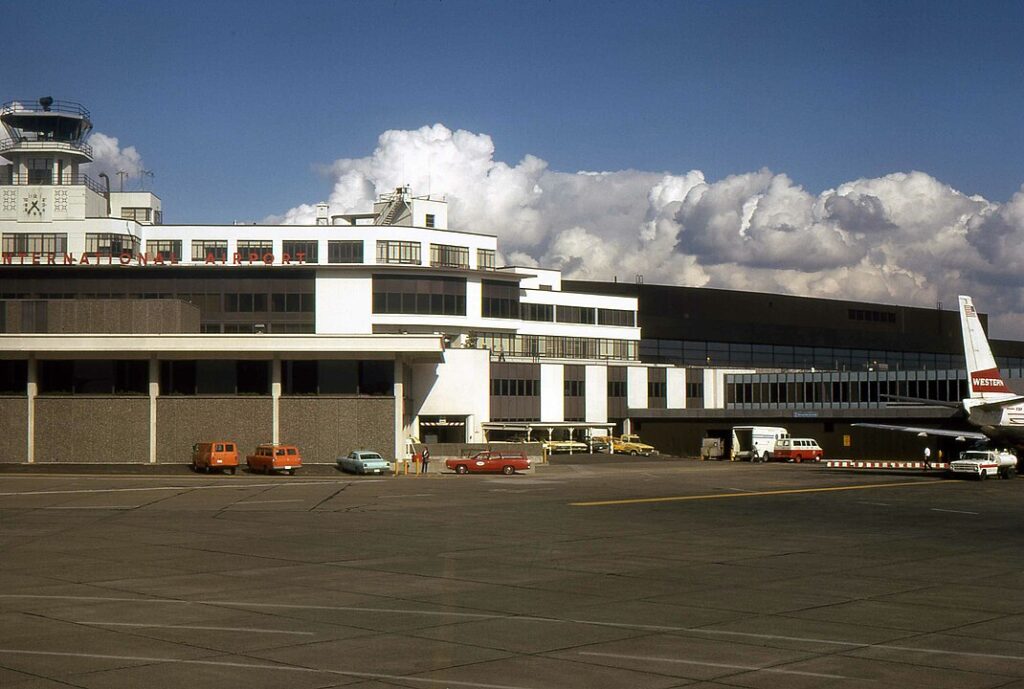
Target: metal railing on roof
(70, 180)
(33, 105)
(44, 145)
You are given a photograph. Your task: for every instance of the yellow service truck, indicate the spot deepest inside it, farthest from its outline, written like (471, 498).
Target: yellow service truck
(631, 445)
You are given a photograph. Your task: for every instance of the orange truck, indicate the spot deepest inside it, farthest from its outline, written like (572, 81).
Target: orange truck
(220, 454)
(270, 457)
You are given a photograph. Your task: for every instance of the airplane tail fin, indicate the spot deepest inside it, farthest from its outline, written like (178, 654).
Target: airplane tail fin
(983, 379)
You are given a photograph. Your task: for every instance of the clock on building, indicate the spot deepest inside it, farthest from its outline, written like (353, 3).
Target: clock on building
(33, 206)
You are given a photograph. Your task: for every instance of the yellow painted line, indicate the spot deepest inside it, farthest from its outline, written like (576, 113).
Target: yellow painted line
(716, 496)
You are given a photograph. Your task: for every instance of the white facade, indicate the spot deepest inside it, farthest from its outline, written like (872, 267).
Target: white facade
(503, 315)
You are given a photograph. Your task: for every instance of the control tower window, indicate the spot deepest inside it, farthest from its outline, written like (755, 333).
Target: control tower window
(40, 171)
(429, 222)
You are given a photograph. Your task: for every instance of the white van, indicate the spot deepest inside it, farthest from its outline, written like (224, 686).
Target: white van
(797, 450)
(755, 443)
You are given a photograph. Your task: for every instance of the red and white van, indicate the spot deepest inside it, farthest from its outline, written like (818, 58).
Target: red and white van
(797, 450)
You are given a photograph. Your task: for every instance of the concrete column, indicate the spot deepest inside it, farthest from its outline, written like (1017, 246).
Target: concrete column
(275, 396)
(31, 391)
(399, 409)
(154, 392)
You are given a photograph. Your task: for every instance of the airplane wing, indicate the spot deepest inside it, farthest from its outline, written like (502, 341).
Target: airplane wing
(919, 430)
(924, 401)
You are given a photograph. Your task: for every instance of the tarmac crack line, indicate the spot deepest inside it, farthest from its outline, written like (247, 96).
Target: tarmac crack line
(755, 494)
(264, 666)
(532, 618)
(343, 488)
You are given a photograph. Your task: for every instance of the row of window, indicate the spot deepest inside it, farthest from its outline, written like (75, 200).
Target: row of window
(248, 250)
(216, 250)
(259, 302)
(789, 356)
(436, 296)
(35, 242)
(871, 315)
(554, 346)
(515, 387)
(96, 243)
(200, 377)
(875, 392)
(249, 328)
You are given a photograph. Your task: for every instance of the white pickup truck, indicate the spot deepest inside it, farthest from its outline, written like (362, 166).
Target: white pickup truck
(985, 463)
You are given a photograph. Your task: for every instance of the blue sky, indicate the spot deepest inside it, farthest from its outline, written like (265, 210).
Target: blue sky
(232, 104)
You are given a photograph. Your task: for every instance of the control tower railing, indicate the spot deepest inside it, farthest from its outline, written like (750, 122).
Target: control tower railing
(44, 145)
(72, 180)
(66, 107)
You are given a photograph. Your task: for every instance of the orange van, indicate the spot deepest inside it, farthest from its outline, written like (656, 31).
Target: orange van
(269, 457)
(222, 454)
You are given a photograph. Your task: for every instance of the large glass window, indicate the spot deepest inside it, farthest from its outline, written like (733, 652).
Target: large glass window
(448, 256)
(253, 250)
(209, 250)
(40, 170)
(618, 317)
(486, 259)
(347, 251)
(102, 244)
(436, 296)
(293, 303)
(391, 251)
(575, 314)
(35, 242)
(537, 312)
(499, 300)
(139, 215)
(166, 249)
(301, 250)
(13, 375)
(93, 377)
(215, 377)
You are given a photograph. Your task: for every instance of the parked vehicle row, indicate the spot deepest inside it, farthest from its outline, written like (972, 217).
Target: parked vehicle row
(266, 458)
(759, 444)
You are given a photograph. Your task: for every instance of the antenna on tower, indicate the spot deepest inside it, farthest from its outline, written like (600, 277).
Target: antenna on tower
(143, 174)
(121, 175)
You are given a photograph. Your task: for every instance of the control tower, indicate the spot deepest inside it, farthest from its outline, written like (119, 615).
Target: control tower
(45, 144)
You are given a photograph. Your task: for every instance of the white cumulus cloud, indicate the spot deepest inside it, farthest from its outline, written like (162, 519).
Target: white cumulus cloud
(904, 238)
(109, 158)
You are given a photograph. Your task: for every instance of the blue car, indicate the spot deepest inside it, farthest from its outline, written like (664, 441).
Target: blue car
(364, 462)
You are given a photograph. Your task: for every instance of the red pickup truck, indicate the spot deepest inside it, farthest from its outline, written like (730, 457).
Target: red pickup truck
(489, 462)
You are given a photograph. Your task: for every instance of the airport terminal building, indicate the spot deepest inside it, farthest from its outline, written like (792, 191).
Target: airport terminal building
(125, 339)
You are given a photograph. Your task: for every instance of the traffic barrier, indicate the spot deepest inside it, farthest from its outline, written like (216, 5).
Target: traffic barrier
(858, 464)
